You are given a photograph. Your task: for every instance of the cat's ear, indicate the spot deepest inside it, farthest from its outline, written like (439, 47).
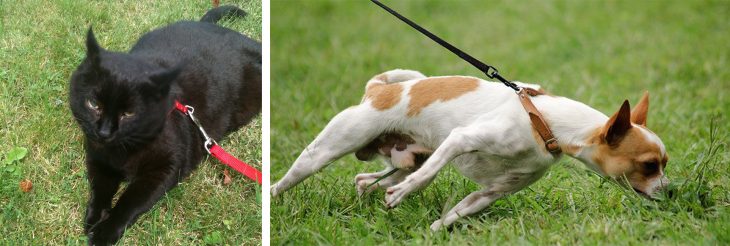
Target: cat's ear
(161, 81)
(92, 47)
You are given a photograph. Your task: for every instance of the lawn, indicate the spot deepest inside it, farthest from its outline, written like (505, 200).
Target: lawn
(597, 52)
(41, 43)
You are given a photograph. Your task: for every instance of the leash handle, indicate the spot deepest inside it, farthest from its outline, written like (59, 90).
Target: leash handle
(488, 70)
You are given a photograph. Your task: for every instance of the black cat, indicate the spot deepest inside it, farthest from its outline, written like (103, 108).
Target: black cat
(124, 103)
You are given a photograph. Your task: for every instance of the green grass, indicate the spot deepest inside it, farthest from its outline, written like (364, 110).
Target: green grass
(41, 43)
(597, 52)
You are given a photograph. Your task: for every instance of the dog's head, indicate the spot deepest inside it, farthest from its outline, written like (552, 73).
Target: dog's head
(628, 152)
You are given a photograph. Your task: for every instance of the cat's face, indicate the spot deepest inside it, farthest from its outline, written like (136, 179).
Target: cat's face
(119, 100)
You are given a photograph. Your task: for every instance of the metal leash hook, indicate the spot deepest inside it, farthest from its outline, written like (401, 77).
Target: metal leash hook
(209, 142)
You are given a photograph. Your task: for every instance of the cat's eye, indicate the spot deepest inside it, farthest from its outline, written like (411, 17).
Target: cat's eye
(127, 114)
(92, 104)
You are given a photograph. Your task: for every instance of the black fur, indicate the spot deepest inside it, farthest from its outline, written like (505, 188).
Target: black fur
(134, 135)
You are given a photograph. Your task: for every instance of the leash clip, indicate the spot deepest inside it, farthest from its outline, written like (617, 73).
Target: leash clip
(494, 73)
(209, 142)
(208, 145)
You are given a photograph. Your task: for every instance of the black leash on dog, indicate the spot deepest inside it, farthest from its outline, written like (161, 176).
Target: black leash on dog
(488, 70)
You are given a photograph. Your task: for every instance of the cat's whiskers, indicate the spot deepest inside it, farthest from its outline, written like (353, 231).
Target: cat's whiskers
(124, 147)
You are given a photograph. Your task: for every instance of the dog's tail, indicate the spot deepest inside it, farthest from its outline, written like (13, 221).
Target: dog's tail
(394, 76)
(218, 13)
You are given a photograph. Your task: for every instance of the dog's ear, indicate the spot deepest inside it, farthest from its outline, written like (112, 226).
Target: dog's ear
(638, 114)
(618, 125)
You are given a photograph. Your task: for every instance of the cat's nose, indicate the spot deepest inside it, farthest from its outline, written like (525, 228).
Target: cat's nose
(104, 133)
(105, 130)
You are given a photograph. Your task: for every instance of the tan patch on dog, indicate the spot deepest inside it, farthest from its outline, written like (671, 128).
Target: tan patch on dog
(430, 90)
(384, 96)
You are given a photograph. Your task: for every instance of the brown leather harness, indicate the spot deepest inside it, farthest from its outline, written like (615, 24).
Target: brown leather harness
(538, 123)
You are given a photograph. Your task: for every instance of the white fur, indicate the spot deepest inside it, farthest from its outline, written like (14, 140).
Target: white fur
(654, 139)
(485, 133)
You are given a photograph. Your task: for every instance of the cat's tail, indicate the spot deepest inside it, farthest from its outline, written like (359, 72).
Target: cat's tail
(216, 14)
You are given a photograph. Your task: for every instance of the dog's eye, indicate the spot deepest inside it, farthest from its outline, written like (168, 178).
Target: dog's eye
(651, 167)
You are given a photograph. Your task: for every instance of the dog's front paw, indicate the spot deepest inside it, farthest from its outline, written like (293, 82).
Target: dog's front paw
(394, 195)
(105, 233)
(366, 186)
(363, 184)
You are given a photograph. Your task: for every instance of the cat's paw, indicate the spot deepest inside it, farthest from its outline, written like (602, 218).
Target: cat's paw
(105, 233)
(94, 216)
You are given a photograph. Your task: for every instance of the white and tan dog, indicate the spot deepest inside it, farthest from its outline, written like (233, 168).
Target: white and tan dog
(484, 130)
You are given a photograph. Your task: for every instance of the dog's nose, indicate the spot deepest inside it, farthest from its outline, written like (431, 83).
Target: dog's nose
(662, 186)
(664, 183)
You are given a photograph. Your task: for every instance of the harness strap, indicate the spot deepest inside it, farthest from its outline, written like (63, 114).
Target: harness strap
(181, 107)
(538, 123)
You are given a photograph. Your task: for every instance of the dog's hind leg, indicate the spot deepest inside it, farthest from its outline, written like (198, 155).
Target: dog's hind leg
(345, 133)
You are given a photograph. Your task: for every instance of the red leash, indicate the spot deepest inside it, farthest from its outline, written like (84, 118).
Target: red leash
(216, 151)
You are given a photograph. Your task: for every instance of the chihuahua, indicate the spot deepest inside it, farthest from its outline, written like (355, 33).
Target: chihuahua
(482, 128)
